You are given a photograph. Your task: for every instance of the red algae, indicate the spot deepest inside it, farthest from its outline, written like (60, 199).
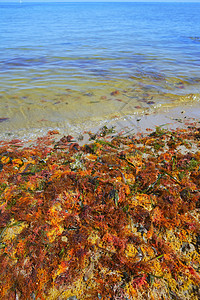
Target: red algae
(116, 218)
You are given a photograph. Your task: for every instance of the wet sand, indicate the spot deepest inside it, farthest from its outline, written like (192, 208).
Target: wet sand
(171, 118)
(168, 118)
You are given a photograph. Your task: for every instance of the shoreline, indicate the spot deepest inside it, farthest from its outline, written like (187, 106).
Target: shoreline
(171, 118)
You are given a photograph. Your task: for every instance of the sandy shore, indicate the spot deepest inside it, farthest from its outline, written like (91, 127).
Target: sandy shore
(171, 118)
(167, 117)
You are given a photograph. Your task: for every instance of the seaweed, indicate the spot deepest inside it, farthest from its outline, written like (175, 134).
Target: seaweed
(112, 219)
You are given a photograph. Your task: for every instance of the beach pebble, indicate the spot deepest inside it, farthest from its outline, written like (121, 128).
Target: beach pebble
(88, 94)
(115, 93)
(187, 247)
(3, 119)
(64, 239)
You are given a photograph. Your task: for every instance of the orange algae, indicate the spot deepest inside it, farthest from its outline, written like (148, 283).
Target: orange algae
(117, 218)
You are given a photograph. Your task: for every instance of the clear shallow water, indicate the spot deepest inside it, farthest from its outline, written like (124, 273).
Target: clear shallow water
(74, 64)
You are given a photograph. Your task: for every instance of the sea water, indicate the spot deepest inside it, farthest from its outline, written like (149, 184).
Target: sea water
(70, 65)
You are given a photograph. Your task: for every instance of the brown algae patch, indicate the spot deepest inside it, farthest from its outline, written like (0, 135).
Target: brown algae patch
(116, 217)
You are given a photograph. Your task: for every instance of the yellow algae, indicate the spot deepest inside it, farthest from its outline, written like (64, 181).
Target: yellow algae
(13, 229)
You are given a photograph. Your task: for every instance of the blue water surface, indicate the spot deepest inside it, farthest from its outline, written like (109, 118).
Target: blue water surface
(121, 38)
(89, 46)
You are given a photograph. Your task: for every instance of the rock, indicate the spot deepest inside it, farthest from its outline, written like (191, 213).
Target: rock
(115, 93)
(3, 119)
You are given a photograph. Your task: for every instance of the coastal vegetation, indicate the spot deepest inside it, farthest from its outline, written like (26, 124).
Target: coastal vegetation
(115, 218)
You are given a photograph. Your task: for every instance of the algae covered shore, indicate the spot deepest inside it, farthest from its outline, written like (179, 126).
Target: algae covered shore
(114, 218)
(99, 151)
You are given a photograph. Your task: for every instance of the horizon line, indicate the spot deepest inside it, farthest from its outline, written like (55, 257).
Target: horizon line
(99, 1)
